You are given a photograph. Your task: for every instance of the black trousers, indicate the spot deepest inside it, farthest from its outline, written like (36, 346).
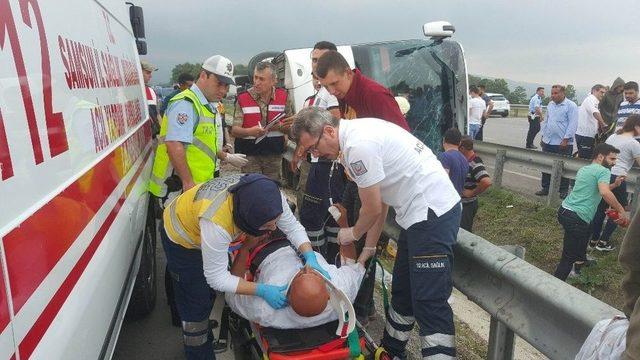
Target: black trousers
(574, 243)
(534, 129)
(469, 210)
(585, 146)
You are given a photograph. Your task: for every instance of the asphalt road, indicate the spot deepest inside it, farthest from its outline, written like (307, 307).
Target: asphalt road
(513, 132)
(155, 338)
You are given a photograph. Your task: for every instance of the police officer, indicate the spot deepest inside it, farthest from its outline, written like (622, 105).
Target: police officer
(198, 227)
(256, 108)
(190, 138)
(393, 168)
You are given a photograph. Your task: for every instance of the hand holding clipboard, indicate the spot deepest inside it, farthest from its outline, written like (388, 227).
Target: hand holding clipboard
(271, 124)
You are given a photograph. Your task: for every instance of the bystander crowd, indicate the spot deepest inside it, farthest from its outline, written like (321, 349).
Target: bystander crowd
(578, 209)
(590, 122)
(477, 110)
(624, 141)
(534, 117)
(477, 182)
(452, 160)
(558, 131)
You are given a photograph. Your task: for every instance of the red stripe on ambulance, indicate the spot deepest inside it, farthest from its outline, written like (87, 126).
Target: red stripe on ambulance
(35, 246)
(43, 322)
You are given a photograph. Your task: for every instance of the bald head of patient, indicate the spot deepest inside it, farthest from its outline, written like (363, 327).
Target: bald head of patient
(308, 294)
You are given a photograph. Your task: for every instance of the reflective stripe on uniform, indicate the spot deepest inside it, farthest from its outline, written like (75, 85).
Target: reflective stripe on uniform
(195, 340)
(175, 225)
(438, 339)
(251, 110)
(204, 148)
(274, 134)
(439, 357)
(195, 326)
(401, 319)
(397, 334)
(279, 108)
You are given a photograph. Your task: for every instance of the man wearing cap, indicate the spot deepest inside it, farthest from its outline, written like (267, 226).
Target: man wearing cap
(191, 133)
(152, 97)
(256, 108)
(391, 167)
(199, 226)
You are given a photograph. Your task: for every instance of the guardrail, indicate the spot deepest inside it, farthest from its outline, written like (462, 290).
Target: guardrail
(522, 110)
(551, 315)
(558, 166)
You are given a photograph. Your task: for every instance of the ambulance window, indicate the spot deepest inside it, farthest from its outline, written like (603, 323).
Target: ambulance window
(429, 75)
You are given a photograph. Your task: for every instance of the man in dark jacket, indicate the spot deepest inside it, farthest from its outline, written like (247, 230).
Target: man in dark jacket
(612, 99)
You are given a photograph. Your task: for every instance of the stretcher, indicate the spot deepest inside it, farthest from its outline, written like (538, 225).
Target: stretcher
(336, 340)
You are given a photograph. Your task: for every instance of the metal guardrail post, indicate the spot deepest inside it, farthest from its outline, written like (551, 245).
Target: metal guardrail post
(556, 178)
(502, 339)
(501, 157)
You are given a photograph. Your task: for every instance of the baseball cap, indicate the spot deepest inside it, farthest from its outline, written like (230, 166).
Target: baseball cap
(221, 67)
(147, 66)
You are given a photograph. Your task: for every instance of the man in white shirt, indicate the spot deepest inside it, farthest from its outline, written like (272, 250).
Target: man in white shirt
(477, 110)
(393, 168)
(278, 263)
(589, 122)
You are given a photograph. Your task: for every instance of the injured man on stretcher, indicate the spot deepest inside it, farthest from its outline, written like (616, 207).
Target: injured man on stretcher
(275, 262)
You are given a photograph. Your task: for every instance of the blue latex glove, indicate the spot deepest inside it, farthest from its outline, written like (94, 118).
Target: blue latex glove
(273, 295)
(310, 259)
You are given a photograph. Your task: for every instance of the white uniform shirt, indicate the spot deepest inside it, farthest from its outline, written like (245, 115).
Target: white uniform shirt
(324, 100)
(215, 244)
(587, 123)
(278, 269)
(411, 178)
(476, 107)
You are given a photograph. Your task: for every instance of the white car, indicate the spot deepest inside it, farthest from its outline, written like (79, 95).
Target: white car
(501, 105)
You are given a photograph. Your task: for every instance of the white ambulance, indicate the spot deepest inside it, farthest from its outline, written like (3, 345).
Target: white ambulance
(77, 245)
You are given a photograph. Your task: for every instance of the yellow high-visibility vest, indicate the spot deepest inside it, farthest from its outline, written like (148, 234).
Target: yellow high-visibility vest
(210, 201)
(200, 154)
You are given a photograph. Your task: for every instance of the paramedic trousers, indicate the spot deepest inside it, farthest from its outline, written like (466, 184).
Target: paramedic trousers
(194, 298)
(421, 287)
(322, 229)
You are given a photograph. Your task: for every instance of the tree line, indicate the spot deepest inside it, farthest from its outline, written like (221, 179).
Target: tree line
(194, 70)
(519, 94)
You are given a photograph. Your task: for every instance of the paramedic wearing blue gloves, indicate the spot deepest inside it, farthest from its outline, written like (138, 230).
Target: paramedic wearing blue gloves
(200, 224)
(393, 168)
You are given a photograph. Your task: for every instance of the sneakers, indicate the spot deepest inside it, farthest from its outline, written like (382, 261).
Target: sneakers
(605, 246)
(592, 244)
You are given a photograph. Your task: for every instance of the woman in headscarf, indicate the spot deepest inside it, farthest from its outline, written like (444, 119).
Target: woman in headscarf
(200, 224)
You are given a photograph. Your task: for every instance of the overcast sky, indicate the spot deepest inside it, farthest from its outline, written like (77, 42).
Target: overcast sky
(544, 41)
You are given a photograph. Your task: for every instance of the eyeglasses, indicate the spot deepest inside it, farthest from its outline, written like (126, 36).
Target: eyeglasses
(314, 148)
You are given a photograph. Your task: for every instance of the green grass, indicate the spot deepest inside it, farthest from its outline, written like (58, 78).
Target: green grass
(533, 225)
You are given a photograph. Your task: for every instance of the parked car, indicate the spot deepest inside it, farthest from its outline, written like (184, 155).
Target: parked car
(501, 105)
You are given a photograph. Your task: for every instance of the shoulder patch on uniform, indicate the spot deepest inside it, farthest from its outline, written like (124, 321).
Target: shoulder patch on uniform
(182, 118)
(358, 168)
